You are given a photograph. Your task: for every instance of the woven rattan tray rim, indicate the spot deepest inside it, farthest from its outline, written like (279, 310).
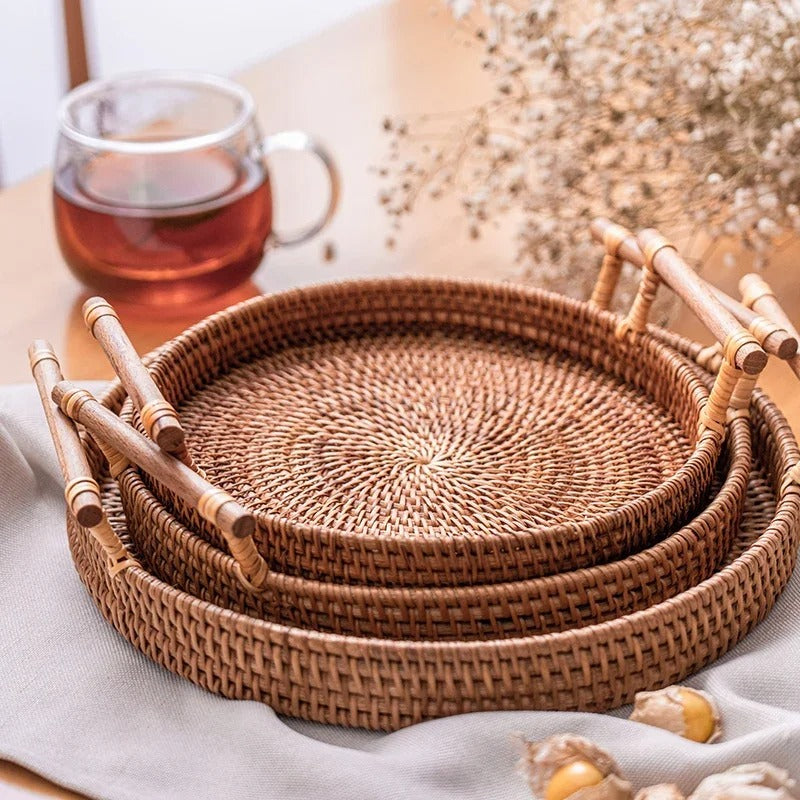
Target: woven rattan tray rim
(204, 335)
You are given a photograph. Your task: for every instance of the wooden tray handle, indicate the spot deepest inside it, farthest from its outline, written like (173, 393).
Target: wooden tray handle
(660, 261)
(216, 506)
(159, 418)
(775, 338)
(656, 254)
(757, 294)
(81, 490)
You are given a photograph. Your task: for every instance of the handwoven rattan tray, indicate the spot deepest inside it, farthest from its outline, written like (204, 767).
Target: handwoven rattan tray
(426, 432)
(518, 608)
(539, 605)
(387, 684)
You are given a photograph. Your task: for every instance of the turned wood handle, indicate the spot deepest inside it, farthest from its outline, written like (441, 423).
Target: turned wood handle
(213, 504)
(681, 278)
(81, 489)
(757, 294)
(774, 337)
(159, 418)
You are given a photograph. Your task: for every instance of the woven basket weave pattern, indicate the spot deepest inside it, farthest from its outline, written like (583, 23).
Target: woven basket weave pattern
(479, 440)
(539, 605)
(386, 685)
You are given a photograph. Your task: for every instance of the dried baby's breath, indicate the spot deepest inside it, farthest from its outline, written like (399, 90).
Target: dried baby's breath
(684, 114)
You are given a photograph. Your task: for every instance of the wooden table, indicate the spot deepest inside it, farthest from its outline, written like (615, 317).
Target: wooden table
(396, 58)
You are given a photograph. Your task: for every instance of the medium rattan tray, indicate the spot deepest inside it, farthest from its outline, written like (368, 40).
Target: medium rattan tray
(426, 432)
(539, 605)
(510, 609)
(387, 684)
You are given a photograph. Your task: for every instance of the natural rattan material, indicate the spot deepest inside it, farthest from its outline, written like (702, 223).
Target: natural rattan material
(535, 606)
(427, 432)
(568, 600)
(539, 605)
(492, 611)
(384, 684)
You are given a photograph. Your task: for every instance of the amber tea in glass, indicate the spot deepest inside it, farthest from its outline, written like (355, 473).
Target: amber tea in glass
(161, 190)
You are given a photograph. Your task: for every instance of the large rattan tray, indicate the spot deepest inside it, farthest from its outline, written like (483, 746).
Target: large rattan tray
(430, 432)
(386, 684)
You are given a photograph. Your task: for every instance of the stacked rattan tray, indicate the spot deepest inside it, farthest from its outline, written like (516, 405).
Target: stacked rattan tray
(563, 598)
(412, 433)
(468, 497)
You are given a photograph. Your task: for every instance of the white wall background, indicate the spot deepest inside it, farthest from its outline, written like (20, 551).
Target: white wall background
(130, 35)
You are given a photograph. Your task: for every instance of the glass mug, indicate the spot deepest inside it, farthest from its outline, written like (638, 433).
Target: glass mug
(161, 191)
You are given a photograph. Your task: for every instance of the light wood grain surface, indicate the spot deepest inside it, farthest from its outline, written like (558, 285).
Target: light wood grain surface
(397, 58)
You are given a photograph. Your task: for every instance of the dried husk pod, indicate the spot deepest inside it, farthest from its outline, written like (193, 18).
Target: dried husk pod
(570, 766)
(660, 791)
(688, 712)
(760, 781)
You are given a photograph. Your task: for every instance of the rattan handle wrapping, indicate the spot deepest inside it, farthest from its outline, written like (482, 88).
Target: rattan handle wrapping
(611, 236)
(651, 251)
(81, 489)
(660, 261)
(159, 418)
(775, 339)
(757, 294)
(618, 240)
(742, 355)
(213, 504)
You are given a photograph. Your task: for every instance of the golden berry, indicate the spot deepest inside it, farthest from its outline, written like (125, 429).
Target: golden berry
(570, 778)
(698, 716)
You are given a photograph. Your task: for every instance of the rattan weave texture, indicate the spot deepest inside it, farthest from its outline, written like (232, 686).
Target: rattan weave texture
(538, 605)
(386, 684)
(431, 433)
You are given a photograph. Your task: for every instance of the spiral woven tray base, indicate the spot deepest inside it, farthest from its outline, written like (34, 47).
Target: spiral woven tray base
(387, 684)
(423, 432)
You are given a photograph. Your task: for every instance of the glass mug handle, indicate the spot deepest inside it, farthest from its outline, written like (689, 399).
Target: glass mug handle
(301, 141)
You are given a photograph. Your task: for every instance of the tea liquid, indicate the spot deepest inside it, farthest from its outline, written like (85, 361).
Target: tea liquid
(166, 228)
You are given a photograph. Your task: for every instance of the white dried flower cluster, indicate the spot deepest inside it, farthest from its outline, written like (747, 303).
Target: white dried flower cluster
(684, 114)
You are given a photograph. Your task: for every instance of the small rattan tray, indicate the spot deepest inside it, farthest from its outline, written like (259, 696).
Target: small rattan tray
(387, 684)
(425, 432)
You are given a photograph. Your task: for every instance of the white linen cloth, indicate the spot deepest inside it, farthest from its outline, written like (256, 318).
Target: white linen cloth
(81, 706)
